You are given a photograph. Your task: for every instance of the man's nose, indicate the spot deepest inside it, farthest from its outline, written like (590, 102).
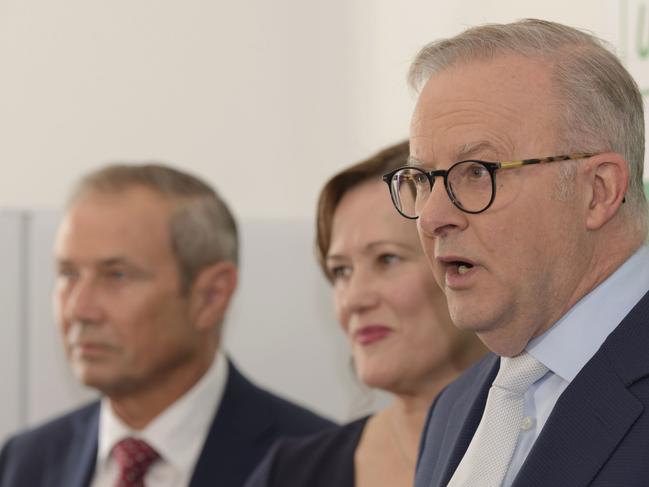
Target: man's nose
(82, 303)
(439, 215)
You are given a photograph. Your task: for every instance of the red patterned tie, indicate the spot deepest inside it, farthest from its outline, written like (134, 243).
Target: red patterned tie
(134, 458)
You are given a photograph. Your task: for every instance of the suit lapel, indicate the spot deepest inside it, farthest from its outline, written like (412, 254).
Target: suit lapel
(588, 421)
(466, 418)
(238, 438)
(235, 442)
(596, 410)
(79, 462)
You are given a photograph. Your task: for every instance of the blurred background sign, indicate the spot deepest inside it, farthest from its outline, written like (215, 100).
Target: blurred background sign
(634, 47)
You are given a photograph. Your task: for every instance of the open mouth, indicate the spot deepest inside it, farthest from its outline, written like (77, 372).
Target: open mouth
(461, 266)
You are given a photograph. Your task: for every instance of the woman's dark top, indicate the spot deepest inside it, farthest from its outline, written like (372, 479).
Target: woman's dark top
(322, 460)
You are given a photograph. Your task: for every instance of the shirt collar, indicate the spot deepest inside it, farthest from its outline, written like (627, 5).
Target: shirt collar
(575, 338)
(178, 433)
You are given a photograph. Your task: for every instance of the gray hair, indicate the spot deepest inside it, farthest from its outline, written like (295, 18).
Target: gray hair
(202, 228)
(602, 105)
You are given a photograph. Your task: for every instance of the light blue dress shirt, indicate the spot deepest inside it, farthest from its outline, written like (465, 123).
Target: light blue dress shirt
(566, 347)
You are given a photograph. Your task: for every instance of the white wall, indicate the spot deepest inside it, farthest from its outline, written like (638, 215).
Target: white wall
(263, 99)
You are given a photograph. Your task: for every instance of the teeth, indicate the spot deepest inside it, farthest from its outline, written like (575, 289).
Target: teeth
(462, 269)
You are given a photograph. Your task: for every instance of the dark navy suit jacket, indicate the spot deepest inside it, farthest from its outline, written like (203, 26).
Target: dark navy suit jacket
(325, 459)
(62, 453)
(597, 433)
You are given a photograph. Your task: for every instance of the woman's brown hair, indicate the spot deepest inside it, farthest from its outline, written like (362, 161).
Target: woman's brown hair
(372, 168)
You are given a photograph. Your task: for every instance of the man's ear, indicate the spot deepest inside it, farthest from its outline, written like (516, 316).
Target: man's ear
(210, 294)
(608, 180)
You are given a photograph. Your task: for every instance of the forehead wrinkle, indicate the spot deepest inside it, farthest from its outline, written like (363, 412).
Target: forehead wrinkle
(445, 146)
(443, 107)
(436, 115)
(473, 108)
(439, 125)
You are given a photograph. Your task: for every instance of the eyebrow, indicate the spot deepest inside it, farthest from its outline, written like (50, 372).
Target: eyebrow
(470, 149)
(108, 261)
(413, 161)
(103, 263)
(111, 261)
(466, 151)
(379, 243)
(371, 246)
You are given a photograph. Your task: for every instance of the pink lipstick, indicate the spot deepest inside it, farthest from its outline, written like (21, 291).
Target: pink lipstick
(372, 334)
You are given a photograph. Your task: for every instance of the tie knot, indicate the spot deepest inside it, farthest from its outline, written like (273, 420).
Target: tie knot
(518, 373)
(134, 457)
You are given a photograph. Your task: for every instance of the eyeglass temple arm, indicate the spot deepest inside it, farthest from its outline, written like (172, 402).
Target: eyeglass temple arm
(570, 157)
(525, 162)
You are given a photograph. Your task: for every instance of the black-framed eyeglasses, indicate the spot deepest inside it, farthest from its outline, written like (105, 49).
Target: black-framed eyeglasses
(471, 185)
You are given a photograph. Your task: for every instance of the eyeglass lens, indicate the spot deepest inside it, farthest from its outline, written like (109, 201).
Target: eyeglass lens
(468, 184)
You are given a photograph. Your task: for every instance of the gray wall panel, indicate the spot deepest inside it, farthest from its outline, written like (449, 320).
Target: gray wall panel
(12, 326)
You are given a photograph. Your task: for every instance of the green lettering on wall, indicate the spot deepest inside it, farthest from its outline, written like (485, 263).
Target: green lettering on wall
(642, 37)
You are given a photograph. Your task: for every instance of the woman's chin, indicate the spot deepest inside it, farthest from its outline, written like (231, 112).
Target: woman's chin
(379, 379)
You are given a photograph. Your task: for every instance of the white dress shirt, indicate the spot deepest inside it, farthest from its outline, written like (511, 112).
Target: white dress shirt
(566, 347)
(177, 434)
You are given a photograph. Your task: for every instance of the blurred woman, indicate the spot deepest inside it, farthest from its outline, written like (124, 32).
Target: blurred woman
(402, 339)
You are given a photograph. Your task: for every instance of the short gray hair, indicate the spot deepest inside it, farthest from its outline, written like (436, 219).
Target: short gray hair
(603, 107)
(202, 228)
